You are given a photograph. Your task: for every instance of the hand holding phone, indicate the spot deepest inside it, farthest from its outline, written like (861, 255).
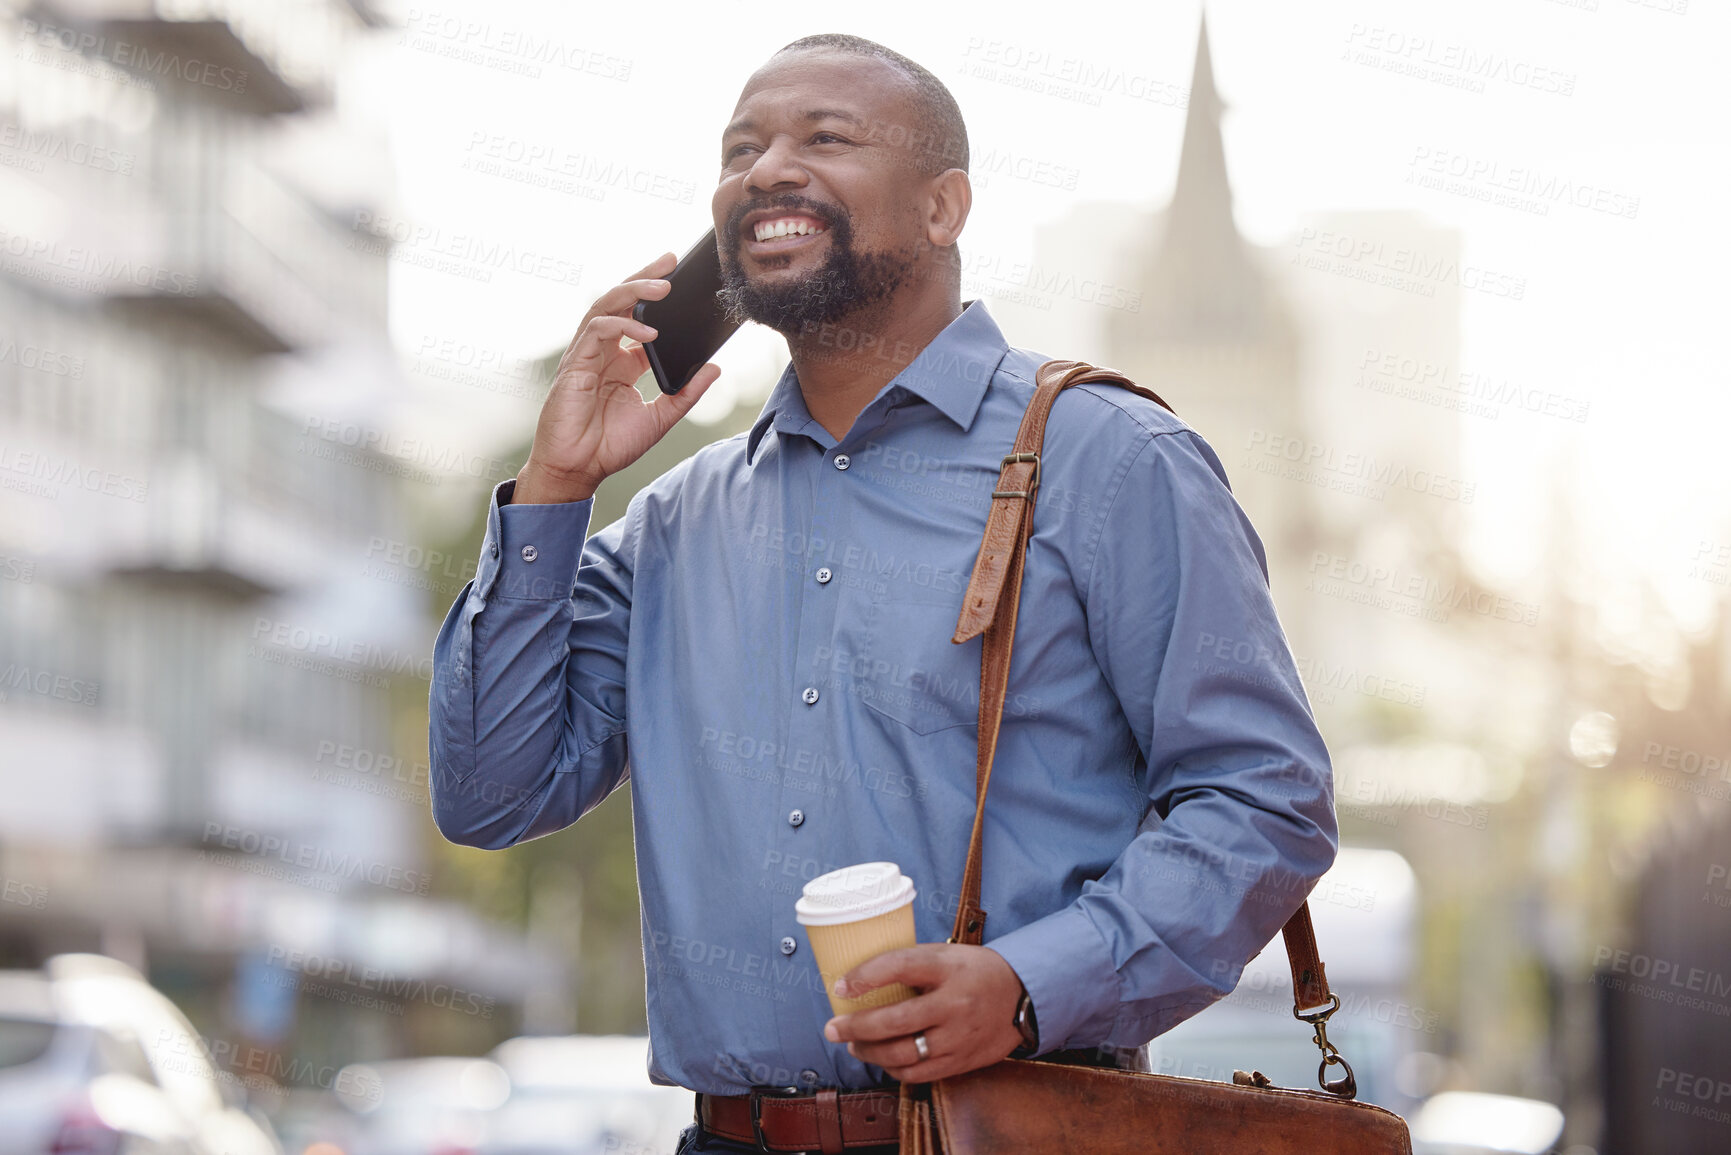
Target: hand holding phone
(594, 422)
(690, 318)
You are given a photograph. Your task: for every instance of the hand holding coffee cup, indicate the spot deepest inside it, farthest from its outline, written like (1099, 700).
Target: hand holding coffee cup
(854, 914)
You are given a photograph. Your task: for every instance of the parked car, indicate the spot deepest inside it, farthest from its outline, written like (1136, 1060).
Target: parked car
(54, 1075)
(1472, 1123)
(582, 1095)
(314, 1121)
(1364, 910)
(432, 1106)
(95, 1061)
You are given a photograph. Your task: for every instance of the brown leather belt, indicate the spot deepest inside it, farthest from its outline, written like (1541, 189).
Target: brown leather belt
(834, 1121)
(830, 1121)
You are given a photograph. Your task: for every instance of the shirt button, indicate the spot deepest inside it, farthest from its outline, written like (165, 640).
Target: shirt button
(788, 946)
(495, 549)
(841, 461)
(809, 1077)
(795, 817)
(530, 553)
(823, 575)
(810, 696)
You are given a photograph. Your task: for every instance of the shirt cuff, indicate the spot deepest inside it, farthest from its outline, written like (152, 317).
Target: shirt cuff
(1068, 972)
(536, 548)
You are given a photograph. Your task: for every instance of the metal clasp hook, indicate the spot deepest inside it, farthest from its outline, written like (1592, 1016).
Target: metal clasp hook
(1347, 1086)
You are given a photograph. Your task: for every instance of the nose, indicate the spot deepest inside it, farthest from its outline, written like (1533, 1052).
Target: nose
(777, 167)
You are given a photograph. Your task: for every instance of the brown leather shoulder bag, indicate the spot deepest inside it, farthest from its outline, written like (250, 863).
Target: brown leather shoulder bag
(1028, 1107)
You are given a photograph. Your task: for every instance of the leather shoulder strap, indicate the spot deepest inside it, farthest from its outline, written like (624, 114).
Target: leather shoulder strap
(989, 607)
(1009, 522)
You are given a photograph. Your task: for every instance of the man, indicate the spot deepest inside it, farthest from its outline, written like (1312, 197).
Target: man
(762, 645)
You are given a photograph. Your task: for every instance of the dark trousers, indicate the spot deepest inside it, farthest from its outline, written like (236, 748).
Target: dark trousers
(695, 1142)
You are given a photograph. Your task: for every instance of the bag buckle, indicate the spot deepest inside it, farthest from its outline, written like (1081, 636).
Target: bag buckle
(1346, 1086)
(1033, 483)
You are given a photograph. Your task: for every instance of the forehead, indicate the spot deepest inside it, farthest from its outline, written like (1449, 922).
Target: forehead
(795, 84)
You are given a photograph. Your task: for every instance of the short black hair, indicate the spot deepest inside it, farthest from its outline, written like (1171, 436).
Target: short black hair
(943, 142)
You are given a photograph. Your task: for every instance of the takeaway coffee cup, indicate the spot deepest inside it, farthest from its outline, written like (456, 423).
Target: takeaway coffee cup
(851, 915)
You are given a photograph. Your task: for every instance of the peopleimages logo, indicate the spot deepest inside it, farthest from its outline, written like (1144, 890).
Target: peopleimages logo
(341, 980)
(1707, 1091)
(1488, 178)
(1399, 267)
(318, 859)
(469, 254)
(134, 56)
(1478, 393)
(261, 1070)
(1391, 588)
(456, 36)
(1456, 65)
(290, 639)
(88, 270)
(15, 678)
(1341, 469)
(21, 893)
(36, 147)
(1038, 69)
(1667, 976)
(42, 474)
(41, 360)
(549, 165)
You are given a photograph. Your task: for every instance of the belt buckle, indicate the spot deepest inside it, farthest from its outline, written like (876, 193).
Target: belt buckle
(758, 1094)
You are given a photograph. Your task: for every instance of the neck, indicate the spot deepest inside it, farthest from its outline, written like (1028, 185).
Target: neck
(843, 364)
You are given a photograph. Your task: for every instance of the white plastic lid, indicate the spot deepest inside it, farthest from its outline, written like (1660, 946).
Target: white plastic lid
(853, 893)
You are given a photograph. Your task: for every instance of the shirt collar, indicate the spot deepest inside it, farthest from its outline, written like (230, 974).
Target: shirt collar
(951, 373)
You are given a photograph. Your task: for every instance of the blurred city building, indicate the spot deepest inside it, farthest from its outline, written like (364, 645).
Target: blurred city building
(198, 683)
(1327, 373)
(1275, 355)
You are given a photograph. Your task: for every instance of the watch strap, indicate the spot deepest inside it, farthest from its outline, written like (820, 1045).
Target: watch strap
(1028, 1026)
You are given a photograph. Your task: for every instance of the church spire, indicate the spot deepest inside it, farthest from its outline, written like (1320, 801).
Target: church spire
(1204, 283)
(1202, 200)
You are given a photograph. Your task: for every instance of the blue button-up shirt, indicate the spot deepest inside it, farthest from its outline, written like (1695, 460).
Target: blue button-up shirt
(761, 644)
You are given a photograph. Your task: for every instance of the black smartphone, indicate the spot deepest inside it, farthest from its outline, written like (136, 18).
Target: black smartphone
(688, 321)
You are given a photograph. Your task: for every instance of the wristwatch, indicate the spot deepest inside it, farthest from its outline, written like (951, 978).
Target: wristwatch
(1029, 1029)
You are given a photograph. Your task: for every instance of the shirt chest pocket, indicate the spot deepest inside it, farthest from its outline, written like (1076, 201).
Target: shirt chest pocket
(909, 670)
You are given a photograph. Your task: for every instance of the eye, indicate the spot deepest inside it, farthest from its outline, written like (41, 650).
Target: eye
(734, 151)
(827, 138)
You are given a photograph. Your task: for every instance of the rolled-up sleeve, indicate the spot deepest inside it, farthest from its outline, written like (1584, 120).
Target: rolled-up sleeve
(527, 706)
(1240, 821)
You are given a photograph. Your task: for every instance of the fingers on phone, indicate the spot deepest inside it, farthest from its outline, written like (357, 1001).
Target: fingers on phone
(659, 267)
(701, 379)
(640, 359)
(621, 299)
(612, 327)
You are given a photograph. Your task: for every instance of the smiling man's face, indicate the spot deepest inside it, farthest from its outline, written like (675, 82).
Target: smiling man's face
(819, 211)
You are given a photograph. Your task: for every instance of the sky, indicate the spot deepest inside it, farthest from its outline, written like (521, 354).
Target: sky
(1326, 110)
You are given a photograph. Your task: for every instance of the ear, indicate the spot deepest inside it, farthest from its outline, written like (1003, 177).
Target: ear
(948, 199)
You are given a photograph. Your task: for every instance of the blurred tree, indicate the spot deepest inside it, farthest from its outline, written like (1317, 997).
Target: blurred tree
(575, 890)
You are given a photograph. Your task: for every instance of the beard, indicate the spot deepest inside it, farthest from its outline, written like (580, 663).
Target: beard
(848, 281)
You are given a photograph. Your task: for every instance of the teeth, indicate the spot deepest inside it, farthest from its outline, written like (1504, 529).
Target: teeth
(769, 230)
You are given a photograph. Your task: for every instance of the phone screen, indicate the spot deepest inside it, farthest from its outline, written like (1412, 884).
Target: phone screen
(688, 320)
